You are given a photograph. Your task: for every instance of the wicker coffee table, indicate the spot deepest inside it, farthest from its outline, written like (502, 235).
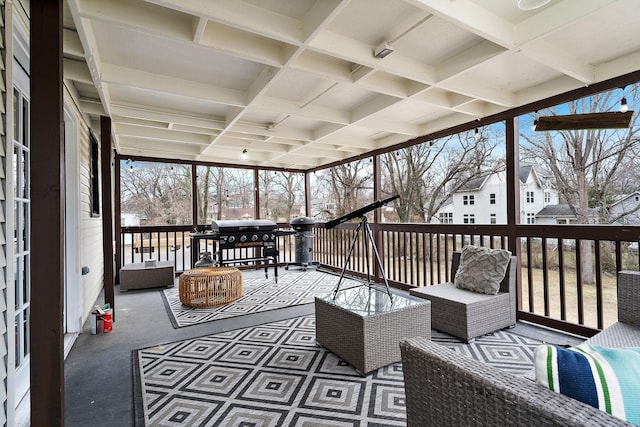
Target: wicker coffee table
(209, 287)
(363, 326)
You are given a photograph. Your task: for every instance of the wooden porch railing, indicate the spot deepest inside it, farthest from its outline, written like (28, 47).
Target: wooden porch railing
(553, 285)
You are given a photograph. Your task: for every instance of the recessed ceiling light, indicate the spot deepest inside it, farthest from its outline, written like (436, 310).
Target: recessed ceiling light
(531, 4)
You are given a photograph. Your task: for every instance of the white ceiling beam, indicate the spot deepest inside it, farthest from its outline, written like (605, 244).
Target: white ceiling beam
(116, 74)
(315, 112)
(556, 17)
(470, 87)
(125, 110)
(618, 66)
(77, 70)
(361, 53)
(241, 44)
(149, 147)
(261, 84)
(139, 15)
(472, 17)
(199, 25)
(560, 60)
(320, 16)
(467, 60)
(244, 16)
(372, 106)
(254, 145)
(91, 107)
(281, 132)
(71, 44)
(158, 134)
(325, 130)
(392, 126)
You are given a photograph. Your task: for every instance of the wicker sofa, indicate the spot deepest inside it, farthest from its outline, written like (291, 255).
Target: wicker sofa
(446, 388)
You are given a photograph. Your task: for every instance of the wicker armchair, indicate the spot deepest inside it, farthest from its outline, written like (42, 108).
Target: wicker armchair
(466, 314)
(446, 388)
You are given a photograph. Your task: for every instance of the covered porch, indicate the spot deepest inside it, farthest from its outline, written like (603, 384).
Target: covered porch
(314, 91)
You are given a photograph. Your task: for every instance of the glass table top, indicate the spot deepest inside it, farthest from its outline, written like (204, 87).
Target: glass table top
(368, 301)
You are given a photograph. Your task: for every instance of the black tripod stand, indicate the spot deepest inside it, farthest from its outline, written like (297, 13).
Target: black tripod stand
(364, 224)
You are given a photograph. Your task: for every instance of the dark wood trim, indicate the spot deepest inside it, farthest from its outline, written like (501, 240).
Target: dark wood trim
(47, 215)
(256, 194)
(560, 325)
(307, 194)
(118, 215)
(194, 209)
(107, 213)
(513, 199)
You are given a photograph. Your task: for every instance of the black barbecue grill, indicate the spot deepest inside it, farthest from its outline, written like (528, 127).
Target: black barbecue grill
(238, 242)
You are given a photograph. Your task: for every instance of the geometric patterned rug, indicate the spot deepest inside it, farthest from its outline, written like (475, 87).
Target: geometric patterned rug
(275, 375)
(259, 294)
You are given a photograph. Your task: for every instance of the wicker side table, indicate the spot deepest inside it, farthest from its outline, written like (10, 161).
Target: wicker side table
(208, 287)
(364, 327)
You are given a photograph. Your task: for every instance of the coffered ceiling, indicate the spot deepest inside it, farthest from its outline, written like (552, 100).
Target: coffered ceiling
(297, 84)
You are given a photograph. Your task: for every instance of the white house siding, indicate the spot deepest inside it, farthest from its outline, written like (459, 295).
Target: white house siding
(90, 227)
(4, 343)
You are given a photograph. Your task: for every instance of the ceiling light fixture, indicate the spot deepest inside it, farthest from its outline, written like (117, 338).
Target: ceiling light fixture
(532, 4)
(535, 122)
(244, 155)
(383, 50)
(476, 134)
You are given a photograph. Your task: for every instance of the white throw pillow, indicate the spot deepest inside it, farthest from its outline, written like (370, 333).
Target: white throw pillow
(482, 269)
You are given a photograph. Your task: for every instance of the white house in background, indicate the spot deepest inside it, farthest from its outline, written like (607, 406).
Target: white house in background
(562, 214)
(626, 210)
(484, 200)
(130, 220)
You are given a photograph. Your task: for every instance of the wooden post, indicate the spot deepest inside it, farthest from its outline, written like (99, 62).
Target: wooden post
(47, 215)
(107, 214)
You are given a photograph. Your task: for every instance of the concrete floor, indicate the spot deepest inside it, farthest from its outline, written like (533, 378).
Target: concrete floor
(98, 370)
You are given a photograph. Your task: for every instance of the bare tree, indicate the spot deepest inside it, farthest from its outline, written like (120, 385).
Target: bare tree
(424, 174)
(158, 192)
(348, 185)
(587, 164)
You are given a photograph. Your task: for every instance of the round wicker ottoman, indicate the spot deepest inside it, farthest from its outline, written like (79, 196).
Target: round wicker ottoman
(211, 286)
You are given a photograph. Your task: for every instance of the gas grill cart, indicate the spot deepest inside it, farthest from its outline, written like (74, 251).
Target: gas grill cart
(238, 242)
(303, 227)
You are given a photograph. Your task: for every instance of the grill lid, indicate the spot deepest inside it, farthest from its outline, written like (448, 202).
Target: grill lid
(238, 226)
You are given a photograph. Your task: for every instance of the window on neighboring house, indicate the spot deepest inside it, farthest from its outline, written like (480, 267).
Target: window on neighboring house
(531, 218)
(492, 218)
(547, 197)
(469, 219)
(471, 200)
(465, 200)
(529, 196)
(492, 198)
(94, 181)
(446, 217)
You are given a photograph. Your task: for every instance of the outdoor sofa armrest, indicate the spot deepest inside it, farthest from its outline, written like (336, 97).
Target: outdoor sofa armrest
(446, 388)
(629, 297)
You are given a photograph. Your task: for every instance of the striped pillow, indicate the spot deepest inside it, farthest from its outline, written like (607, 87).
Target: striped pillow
(605, 378)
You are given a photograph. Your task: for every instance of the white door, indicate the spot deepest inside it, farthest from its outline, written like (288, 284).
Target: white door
(22, 230)
(72, 316)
